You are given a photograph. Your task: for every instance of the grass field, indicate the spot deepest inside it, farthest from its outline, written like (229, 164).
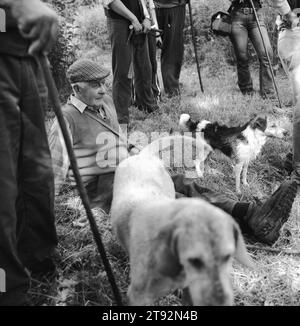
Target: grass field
(276, 280)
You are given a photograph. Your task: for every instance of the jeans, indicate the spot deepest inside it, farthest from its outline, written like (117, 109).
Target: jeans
(27, 229)
(130, 58)
(171, 21)
(289, 53)
(244, 26)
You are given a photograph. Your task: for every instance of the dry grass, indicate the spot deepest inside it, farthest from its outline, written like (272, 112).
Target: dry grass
(81, 278)
(276, 281)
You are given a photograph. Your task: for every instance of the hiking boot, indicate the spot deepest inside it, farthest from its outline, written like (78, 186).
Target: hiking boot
(249, 92)
(269, 96)
(266, 221)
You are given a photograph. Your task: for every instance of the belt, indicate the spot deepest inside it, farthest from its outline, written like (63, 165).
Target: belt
(246, 11)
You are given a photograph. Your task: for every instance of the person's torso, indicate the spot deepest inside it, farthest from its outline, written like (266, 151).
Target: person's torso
(133, 5)
(294, 4)
(246, 4)
(97, 149)
(169, 3)
(11, 41)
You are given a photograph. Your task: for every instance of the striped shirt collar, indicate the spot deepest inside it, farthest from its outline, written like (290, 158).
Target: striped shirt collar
(79, 105)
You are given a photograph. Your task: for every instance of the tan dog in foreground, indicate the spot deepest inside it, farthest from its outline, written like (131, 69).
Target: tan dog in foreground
(172, 243)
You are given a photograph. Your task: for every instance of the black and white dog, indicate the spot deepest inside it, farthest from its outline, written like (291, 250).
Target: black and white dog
(242, 144)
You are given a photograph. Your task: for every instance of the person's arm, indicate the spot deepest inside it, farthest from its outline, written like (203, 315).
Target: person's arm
(147, 19)
(36, 21)
(153, 16)
(118, 7)
(59, 154)
(283, 8)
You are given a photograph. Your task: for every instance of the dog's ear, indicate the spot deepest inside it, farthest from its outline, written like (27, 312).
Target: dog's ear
(259, 123)
(241, 253)
(164, 253)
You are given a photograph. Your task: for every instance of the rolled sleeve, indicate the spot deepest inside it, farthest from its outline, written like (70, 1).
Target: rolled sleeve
(106, 3)
(151, 4)
(281, 6)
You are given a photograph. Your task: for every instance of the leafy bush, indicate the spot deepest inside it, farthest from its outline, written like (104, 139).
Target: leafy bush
(74, 37)
(90, 31)
(61, 56)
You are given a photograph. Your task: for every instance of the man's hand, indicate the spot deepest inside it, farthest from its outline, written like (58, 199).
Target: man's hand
(290, 20)
(159, 42)
(37, 22)
(136, 25)
(146, 25)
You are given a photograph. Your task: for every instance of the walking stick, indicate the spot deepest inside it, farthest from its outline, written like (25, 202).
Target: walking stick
(53, 95)
(195, 46)
(267, 54)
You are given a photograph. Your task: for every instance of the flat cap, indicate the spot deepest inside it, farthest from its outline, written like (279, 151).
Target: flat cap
(86, 70)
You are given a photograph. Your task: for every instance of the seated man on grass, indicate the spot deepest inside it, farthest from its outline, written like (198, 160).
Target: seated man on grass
(91, 117)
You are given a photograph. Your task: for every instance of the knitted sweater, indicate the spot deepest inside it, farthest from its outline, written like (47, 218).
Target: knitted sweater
(97, 149)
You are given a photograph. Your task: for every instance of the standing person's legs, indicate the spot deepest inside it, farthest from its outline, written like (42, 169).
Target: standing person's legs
(239, 39)
(145, 98)
(17, 280)
(171, 21)
(152, 53)
(35, 203)
(289, 53)
(121, 63)
(265, 74)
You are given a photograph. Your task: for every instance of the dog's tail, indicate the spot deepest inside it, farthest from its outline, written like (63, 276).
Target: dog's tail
(185, 122)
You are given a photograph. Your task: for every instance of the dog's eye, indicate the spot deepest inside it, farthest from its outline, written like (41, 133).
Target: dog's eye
(196, 262)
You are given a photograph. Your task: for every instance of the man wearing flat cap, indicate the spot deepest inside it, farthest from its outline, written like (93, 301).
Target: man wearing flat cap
(93, 127)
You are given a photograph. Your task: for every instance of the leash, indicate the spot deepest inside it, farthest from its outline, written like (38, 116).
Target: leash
(105, 125)
(53, 95)
(195, 46)
(267, 54)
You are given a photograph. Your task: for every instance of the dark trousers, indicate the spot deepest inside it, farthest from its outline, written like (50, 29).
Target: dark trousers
(152, 52)
(244, 27)
(100, 192)
(171, 21)
(130, 59)
(27, 229)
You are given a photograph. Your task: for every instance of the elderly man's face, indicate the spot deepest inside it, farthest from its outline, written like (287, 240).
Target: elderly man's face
(92, 92)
